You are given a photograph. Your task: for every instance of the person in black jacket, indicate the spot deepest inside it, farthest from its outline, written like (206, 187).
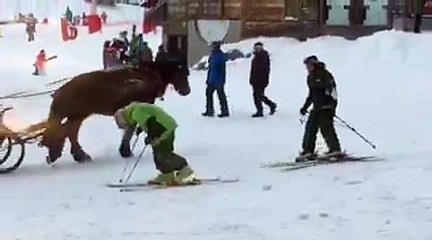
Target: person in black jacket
(418, 14)
(323, 97)
(259, 80)
(161, 54)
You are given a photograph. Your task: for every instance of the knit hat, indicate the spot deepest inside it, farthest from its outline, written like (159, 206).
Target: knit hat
(258, 44)
(310, 59)
(120, 120)
(216, 44)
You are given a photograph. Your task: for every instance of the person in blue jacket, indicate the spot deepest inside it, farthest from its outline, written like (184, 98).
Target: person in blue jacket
(216, 76)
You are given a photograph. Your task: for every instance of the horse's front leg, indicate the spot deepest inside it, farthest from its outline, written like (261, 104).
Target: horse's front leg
(53, 138)
(72, 127)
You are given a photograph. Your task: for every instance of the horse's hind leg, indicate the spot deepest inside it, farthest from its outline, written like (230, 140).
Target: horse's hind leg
(72, 127)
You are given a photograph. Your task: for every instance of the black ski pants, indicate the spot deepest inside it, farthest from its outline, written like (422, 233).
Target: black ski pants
(320, 120)
(31, 37)
(260, 97)
(417, 22)
(164, 157)
(220, 90)
(166, 161)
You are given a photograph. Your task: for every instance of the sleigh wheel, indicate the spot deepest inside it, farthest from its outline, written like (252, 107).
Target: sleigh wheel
(13, 156)
(5, 149)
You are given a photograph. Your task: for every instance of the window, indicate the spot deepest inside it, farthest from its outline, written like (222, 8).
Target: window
(301, 9)
(176, 9)
(293, 9)
(212, 8)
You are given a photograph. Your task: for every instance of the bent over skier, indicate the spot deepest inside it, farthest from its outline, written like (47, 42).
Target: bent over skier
(160, 128)
(323, 97)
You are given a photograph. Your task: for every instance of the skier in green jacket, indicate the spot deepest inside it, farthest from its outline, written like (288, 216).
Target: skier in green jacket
(160, 128)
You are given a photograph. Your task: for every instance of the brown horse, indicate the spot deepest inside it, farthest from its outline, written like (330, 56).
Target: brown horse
(104, 92)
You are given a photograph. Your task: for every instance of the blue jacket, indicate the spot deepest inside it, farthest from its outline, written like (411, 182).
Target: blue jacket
(216, 70)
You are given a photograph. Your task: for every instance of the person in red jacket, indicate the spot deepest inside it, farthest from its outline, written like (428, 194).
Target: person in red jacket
(40, 63)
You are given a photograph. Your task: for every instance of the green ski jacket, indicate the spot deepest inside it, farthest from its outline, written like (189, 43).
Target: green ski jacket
(139, 113)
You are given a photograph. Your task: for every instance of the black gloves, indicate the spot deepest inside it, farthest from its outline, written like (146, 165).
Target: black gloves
(148, 140)
(125, 150)
(303, 111)
(138, 131)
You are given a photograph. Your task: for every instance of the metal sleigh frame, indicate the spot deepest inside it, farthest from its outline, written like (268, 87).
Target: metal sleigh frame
(15, 141)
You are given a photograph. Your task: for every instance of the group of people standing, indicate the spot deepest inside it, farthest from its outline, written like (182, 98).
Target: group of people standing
(258, 79)
(76, 20)
(322, 95)
(121, 50)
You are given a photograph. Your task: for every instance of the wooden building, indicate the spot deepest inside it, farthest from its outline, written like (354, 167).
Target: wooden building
(195, 23)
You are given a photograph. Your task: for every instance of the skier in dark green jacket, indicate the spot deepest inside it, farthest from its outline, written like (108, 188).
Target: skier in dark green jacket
(160, 128)
(323, 97)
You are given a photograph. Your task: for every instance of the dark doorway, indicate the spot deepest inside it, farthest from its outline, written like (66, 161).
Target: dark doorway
(177, 45)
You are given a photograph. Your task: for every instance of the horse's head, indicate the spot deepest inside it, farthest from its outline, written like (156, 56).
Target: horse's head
(173, 71)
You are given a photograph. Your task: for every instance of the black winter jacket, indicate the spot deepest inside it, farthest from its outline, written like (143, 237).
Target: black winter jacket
(322, 89)
(260, 70)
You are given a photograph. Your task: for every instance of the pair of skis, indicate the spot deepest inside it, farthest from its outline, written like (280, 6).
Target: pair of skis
(132, 187)
(284, 165)
(319, 160)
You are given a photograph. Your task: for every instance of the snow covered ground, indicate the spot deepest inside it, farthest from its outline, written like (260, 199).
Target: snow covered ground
(384, 87)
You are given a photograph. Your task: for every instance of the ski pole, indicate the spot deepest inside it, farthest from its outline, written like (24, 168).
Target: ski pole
(127, 162)
(124, 171)
(355, 131)
(302, 119)
(135, 143)
(136, 164)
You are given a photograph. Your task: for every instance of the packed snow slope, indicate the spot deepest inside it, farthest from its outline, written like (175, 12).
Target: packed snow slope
(384, 87)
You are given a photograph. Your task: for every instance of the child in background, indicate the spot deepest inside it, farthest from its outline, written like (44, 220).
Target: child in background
(39, 64)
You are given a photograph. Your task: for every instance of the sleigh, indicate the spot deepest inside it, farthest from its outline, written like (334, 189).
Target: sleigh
(12, 143)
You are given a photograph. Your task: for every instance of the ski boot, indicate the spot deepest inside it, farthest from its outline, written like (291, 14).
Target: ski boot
(180, 177)
(163, 179)
(306, 156)
(333, 156)
(185, 176)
